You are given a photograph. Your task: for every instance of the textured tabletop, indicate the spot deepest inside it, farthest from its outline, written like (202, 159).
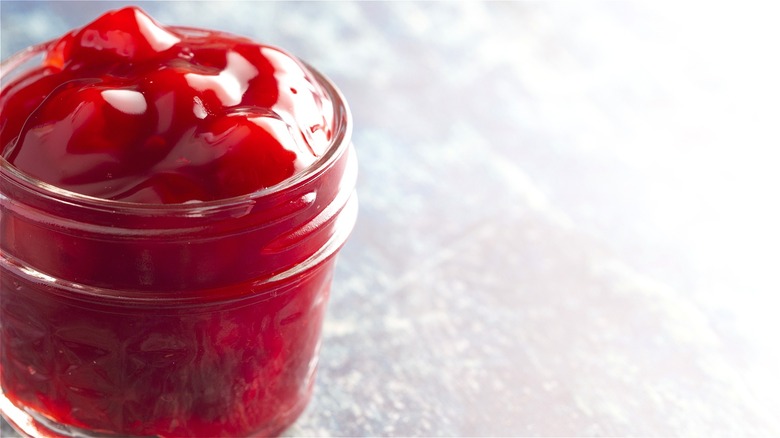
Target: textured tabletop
(568, 213)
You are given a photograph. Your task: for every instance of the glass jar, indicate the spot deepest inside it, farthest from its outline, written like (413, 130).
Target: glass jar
(198, 319)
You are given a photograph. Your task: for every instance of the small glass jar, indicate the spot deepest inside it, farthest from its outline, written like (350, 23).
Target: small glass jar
(197, 319)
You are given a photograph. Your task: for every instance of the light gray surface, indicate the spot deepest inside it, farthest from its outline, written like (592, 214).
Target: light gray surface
(568, 218)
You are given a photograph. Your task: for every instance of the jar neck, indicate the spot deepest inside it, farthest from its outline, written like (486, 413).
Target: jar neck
(264, 242)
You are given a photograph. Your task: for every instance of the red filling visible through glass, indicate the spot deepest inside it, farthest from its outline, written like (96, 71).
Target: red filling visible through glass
(127, 109)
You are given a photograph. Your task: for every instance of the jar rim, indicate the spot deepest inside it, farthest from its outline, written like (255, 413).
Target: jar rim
(338, 145)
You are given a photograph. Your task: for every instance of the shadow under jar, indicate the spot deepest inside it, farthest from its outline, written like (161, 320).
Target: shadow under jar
(197, 319)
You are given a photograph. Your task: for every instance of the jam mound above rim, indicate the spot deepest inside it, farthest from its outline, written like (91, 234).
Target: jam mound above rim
(339, 143)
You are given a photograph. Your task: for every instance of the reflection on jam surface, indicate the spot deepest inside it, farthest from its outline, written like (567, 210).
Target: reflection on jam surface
(128, 109)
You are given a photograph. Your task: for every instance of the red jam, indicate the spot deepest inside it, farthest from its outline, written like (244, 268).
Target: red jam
(184, 294)
(129, 110)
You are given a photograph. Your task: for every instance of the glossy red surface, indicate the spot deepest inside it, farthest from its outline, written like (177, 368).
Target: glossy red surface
(167, 320)
(128, 109)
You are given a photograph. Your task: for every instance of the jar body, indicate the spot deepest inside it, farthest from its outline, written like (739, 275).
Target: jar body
(218, 369)
(170, 320)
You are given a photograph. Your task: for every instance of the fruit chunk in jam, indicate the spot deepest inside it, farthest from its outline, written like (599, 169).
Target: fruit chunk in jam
(127, 109)
(139, 324)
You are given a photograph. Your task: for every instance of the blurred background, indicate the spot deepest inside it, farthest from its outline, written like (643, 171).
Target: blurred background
(569, 211)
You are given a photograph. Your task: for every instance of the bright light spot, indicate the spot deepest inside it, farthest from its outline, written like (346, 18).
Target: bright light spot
(126, 101)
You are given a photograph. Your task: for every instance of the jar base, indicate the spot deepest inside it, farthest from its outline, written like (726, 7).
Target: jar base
(30, 423)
